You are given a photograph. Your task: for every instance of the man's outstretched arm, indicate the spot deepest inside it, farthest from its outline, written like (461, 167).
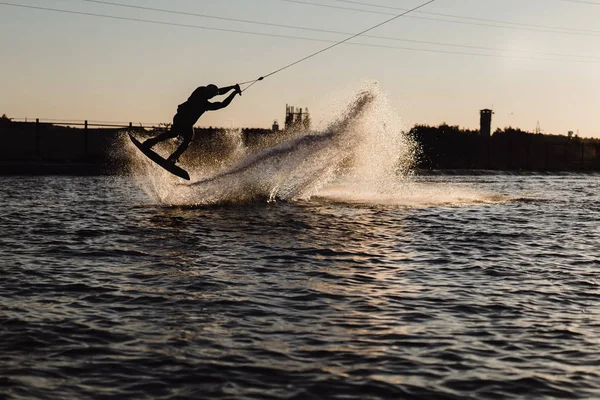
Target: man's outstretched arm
(226, 89)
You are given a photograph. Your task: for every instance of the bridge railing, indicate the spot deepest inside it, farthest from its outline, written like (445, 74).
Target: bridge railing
(89, 123)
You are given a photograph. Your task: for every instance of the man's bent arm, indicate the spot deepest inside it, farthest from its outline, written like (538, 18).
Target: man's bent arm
(223, 104)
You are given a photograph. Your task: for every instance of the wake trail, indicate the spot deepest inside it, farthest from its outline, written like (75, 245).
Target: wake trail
(295, 168)
(361, 156)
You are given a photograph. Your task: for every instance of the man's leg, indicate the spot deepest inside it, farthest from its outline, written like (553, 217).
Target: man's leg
(168, 134)
(188, 135)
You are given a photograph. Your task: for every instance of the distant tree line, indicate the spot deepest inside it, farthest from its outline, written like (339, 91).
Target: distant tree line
(439, 147)
(452, 147)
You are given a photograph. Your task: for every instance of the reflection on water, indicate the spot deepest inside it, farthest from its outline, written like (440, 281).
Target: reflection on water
(452, 287)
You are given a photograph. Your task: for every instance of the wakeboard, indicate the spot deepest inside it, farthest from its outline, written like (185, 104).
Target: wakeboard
(169, 166)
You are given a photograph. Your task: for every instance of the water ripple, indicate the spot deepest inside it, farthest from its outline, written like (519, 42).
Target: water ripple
(107, 295)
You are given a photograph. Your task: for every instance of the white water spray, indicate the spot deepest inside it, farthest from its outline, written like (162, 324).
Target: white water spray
(358, 155)
(362, 145)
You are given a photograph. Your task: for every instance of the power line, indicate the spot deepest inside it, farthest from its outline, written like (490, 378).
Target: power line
(163, 10)
(345, 40)
(116, 17)
(487, 23)
(581, 2)
(479, 19)
(462, 53)
(120, 18)
(168, 11)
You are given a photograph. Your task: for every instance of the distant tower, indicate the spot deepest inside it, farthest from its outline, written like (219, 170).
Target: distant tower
(538, 130)
(306, 120)
(485, 122)
(289, 116)
(296, 118)
(275, 126)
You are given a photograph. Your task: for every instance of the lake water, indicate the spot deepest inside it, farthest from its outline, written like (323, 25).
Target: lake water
(448, 287)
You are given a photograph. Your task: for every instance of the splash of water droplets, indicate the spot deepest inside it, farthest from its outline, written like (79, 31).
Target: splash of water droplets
(358, 155)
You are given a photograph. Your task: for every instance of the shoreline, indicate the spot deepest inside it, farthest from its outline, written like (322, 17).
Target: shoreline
(40, 168)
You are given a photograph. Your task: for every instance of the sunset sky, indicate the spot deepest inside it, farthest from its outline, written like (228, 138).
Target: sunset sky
(529, 60)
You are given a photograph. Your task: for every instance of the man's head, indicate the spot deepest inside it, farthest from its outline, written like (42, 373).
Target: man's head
(211, 91)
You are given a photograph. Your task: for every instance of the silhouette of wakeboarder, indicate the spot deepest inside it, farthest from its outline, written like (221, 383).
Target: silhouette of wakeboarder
(189, 112)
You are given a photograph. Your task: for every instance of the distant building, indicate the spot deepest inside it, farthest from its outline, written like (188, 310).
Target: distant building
(275, 127)
(485, 122)
(296, 118)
